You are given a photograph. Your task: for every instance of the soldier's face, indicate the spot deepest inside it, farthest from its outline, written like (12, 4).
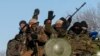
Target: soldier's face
(24, 29)
(22, 25)
(49, 21)
(58, 25)
(32, 24)
(84, 28)
(76, 27)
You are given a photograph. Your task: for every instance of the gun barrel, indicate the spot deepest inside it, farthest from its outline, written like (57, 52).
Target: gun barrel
(78, 9)
(82, 5)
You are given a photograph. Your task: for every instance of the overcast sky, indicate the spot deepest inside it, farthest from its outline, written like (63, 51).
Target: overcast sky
(12, 11)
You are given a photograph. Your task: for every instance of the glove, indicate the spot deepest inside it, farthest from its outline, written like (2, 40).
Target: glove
(47, 21)
(50, 15)
(36, 13)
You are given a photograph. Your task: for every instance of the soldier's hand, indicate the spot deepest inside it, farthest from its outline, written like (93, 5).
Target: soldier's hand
(50, 15)
(70, 19)
(36, 12)
(47, 21)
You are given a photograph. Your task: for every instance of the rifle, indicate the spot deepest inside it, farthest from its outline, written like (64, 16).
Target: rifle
(69, 17)
(77, 9)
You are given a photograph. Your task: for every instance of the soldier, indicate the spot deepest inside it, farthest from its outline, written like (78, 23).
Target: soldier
(38, 34)
(48, 22)
(24, 35)
(13, 48)
(75, 29)
(59, 28)
(20, 41)
(23, 26)
(81, 39)
(55, 32)
(82, 45)
(84, 27)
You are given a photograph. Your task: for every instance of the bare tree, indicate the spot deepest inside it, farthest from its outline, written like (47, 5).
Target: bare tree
(98, 15)
(91, 17)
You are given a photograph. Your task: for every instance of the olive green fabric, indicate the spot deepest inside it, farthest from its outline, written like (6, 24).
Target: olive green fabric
(82, 44)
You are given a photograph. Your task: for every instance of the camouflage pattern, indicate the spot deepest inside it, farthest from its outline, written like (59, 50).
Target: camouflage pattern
(17, 46)
(42, 39)
(39, 30)
(61, 33)
(82, 45)
(13, 48)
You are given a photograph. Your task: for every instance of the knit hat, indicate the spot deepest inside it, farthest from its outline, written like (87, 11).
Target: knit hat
(22, 22)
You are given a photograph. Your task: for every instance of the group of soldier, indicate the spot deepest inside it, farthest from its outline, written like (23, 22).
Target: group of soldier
(32, 37)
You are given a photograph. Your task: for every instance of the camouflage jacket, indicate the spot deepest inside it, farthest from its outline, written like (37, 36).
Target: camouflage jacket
(13, 48)
(16, 45)
(40, 34)
(61, 33)
(82, 43)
